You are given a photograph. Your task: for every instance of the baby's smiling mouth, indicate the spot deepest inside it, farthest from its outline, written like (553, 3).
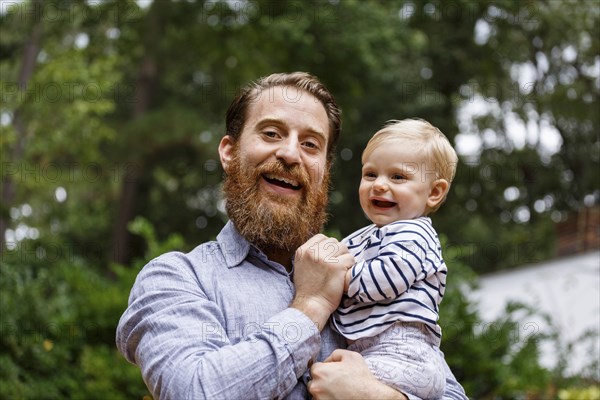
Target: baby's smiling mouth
(382, 203)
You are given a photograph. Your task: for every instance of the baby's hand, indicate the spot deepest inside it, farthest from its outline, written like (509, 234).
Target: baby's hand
(347, 280)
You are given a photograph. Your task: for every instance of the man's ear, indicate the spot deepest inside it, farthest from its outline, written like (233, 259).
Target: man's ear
(437, 192)
(226, 147)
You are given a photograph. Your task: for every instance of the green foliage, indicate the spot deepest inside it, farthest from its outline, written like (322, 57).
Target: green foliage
(128, 123)
(495, 359)
(144, 228)
(58, 329)
(586, 393)
(59, 321)
(124, 109)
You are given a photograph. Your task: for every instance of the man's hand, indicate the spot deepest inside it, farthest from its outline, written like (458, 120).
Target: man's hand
(320, 266)
(345, 375)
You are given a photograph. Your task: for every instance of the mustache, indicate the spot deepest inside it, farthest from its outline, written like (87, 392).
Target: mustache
(269, 224)
(278, 167)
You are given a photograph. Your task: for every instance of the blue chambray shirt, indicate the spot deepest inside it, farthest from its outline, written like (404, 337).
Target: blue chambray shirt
(215, 323)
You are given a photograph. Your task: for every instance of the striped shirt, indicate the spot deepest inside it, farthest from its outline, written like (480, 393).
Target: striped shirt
(399, 275)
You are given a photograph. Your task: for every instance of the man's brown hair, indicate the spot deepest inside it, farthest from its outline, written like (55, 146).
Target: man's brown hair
(237, 112)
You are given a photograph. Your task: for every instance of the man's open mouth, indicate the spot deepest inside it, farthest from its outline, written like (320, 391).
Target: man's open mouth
(383, 204)
(283, 182)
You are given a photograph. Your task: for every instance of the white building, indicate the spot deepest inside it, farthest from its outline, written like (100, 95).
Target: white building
(567, 289)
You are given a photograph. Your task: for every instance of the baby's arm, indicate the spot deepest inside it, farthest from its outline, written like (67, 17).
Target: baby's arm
(402, 260)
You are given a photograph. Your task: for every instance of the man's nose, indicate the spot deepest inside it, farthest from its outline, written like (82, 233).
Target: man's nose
(289, 151)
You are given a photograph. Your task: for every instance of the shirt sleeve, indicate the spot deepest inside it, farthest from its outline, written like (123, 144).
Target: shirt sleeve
(405, 256)
(178, 338)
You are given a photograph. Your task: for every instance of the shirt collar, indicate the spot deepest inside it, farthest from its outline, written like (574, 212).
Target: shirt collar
(235, 247)
(374, 231)
(371, 231)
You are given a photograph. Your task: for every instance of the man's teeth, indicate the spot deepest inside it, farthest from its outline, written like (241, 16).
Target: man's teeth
(286, 180)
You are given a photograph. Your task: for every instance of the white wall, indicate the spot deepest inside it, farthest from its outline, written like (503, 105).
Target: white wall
(568, 289)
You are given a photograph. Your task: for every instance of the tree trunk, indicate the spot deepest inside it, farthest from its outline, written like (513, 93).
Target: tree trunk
(144, 93)
(8, 190)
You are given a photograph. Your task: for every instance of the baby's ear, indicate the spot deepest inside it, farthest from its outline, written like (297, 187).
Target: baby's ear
(437, 192)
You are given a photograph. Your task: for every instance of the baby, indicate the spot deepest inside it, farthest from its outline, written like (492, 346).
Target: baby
(390, 310)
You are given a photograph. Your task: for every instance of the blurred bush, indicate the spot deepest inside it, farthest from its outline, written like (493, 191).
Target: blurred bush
(587, 393)
(58, 328)
(490, 359)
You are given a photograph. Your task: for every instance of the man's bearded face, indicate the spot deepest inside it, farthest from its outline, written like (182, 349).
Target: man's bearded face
(270, 221)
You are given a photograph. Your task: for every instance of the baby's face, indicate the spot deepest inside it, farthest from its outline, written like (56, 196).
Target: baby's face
(395, 184)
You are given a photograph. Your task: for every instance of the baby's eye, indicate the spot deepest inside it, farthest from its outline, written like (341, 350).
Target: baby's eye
(398, 177)
(370, 175)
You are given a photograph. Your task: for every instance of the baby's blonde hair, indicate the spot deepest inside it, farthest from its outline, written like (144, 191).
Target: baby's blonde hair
(427, 140)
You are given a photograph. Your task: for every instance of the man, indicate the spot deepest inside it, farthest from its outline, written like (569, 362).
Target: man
(246, 316)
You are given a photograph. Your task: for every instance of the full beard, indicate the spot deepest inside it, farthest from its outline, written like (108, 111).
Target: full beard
(274, 223)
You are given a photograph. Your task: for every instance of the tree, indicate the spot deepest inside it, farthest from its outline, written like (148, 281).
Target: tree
(123, 108)
(16, 148)
(545, 81)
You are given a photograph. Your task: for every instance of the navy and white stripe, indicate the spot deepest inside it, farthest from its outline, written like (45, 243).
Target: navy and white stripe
(399, 275)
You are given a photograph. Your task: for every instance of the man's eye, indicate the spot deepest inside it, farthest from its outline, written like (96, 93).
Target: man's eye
(311, 145)
(270, 134)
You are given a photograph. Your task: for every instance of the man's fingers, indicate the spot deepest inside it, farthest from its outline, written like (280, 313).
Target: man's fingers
(324, 249)
(319, 237)
(310, 245)
(341, 355)
(336, 356)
